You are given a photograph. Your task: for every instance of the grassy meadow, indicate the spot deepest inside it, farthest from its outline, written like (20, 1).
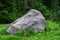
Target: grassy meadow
(52, 33)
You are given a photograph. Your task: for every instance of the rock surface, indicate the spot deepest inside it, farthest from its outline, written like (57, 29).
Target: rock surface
(33, 19)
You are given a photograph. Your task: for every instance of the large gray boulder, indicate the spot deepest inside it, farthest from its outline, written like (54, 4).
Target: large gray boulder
(33, 20)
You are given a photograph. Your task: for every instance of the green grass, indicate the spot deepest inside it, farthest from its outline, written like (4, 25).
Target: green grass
(52, 33)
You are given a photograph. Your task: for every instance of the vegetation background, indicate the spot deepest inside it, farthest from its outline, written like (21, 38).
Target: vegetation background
(11, 10)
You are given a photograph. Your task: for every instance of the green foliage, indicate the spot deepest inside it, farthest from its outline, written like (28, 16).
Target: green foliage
(20, 33)
(42, 8)
(7, 17)
(29, 32)
(3, 29)
(55, 8)
(52, 25)
(10, 10)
